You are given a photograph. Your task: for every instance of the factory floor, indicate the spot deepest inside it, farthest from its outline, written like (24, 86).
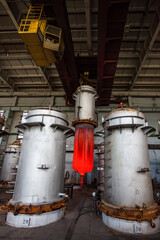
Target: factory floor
(80, 223)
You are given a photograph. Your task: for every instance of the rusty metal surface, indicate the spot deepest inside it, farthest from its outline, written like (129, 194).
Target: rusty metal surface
(34, 209)
(138, 214)
(120, 109)
(95, 124)
(111, 20)
(16, 143)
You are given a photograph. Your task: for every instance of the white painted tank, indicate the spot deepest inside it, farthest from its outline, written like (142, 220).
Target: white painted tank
(127, 181)
(40, 178)
(85, 97)
(100, 169)
(10, 162)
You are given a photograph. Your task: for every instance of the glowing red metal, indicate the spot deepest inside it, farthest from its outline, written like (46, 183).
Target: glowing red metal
(83, 149)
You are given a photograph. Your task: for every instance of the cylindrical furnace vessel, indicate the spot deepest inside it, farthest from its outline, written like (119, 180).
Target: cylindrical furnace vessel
(128, 204)
(10, 163)
(84, 123)
(100, 169)
(38, 197)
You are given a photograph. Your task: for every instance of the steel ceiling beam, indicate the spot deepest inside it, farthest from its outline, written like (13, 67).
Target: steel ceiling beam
(67, 68)
(11, 41)
(19, 67)
(12, 56)
(79, 27)
(128, 55)
(8, 32)
(45, 76)
(155, 29)
(136, 93)
(88, 23)
(65, 78)
(33, 93)
(126, 66)
(134, 9)
(8, 10)
(122, 75)
(153, 55)
(151, 66)
(143, 82)
(5, 79)
(29, 75)
(149, 75)
(80, 10)
(103, 6)
(142, 24)
(111, 20)
(150, 82)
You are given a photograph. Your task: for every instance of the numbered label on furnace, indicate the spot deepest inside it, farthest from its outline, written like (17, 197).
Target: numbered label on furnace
(26, 221)
(137, 229)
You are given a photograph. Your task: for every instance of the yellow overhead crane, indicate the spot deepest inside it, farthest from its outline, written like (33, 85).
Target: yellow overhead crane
(43, 41)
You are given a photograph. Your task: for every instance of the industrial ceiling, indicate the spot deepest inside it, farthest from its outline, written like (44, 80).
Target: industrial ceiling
(117, 42)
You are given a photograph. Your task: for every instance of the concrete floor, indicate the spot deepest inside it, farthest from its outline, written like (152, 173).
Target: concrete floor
(80, 223)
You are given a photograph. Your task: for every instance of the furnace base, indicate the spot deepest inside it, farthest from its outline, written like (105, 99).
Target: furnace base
(128, 226)
(33, 220)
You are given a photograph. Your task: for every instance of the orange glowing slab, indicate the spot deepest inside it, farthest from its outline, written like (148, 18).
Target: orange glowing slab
(83, 149)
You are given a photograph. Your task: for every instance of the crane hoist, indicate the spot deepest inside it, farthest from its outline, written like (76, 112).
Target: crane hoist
(43, 41)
